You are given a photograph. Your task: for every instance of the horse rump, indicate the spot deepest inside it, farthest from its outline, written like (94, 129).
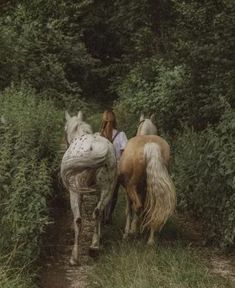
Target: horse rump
(88, 159)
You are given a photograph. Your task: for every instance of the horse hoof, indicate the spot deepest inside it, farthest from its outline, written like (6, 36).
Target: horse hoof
(150, 243)
(133, 234)
(94, 252)
(73, 262)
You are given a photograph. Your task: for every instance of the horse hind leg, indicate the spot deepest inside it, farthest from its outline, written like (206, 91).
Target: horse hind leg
(151, 240)
(97, 216)
(134, 224)
(133, 195)
(128, 218)
(136, 204)
(109, 209)
(105, 182)
(95, 244)
(75, 202)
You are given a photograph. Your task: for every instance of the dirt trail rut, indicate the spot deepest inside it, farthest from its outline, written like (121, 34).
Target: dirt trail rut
(56, 272)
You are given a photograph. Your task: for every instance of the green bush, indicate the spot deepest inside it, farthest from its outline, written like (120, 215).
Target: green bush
(156, 87)
(40, 45)
(204, 177)
(30, 132)
(127, 121)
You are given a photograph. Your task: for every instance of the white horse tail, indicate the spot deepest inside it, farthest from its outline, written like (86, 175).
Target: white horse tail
(160, 198)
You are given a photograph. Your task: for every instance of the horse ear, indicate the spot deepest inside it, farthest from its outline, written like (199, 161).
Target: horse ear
(67, 116)
(80, 115)
(142, 117)
(152, 118)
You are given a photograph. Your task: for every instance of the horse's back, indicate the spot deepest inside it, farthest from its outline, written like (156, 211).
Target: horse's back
(132, 163)
(136, 145)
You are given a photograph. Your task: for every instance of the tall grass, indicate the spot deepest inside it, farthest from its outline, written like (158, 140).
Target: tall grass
(132, 264)
(29, 136)
(15, 278)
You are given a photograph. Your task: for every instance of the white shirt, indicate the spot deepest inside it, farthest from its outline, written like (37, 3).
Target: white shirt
(119, 142)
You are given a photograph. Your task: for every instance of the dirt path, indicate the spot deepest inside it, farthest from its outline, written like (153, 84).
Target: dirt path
(217, 262)
(223, 266)
(57, 273)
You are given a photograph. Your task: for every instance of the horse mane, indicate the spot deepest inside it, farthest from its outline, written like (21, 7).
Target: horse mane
(77, 123)
(146, 127)
(86, 128)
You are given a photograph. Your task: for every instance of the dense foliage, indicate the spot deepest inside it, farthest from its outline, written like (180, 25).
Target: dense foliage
(153, 87)
(168, 57)
(27, 163)
(94, 50)
(204, 177)
(41, 45)
(187, 81)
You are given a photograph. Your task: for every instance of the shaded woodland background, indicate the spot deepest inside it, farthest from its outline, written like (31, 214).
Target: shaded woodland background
(168, 57)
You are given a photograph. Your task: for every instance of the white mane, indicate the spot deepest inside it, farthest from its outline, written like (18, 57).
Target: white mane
(75, 127)
(146, 126)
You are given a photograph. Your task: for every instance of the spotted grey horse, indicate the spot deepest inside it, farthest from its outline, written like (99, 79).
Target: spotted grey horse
(88, 165)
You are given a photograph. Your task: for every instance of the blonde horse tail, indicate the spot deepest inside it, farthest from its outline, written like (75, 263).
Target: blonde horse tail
(160, 198)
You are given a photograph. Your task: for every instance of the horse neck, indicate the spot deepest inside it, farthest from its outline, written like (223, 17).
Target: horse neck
(83, 130)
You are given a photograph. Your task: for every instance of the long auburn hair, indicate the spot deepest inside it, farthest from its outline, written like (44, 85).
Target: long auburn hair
(108, 124)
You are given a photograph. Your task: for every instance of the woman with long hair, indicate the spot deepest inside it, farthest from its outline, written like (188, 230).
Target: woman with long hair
(118, 138)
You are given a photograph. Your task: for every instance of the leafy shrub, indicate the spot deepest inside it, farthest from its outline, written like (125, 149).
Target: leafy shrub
(29, 137)
(127, 121)
(41, 46)
(15, 278)
(204, 177)
(156, 87)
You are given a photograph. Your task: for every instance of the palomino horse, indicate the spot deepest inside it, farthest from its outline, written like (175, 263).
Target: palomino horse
(88, 165)
(150, 191)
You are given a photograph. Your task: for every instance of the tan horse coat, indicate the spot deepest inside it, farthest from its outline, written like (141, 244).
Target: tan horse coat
(144, 173)
(133, 164)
